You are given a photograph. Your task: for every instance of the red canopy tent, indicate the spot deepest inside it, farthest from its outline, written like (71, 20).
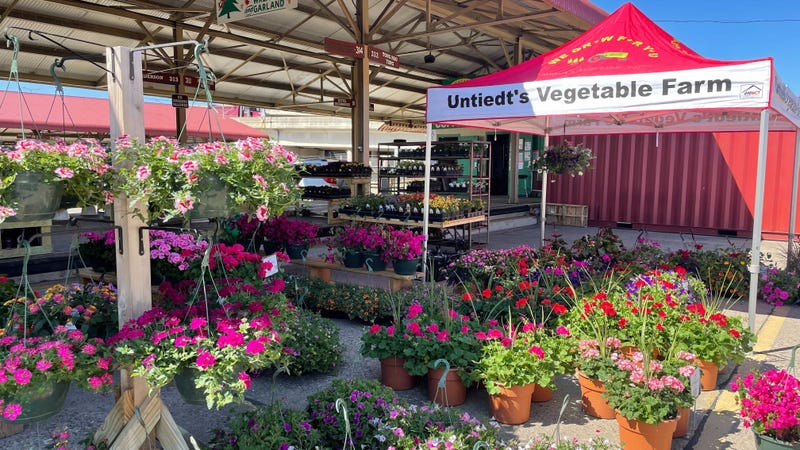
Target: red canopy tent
(627, 75)
(90, 115)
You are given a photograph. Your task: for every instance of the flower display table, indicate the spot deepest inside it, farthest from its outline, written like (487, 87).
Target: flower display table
(318, 268)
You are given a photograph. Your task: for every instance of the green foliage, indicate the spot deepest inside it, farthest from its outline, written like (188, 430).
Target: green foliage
(367, 304)
(724, 270)
(542, 442)
(564, 158)
(377, 419)
(603, 248)
(714, 336)
(363, 399)
(268, 427)
(644, 256)
(512, 358)
(648, 390)
(313, 342)
(92, 309)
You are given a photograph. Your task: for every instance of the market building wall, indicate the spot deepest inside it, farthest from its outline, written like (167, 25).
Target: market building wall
(688, 182)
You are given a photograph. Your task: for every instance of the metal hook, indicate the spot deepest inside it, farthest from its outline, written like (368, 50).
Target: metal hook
(56, 80)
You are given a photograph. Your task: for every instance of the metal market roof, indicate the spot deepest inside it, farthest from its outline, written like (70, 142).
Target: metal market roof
(278, 59)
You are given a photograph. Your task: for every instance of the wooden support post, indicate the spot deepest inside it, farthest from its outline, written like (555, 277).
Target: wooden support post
(126, 105)
(138, 417)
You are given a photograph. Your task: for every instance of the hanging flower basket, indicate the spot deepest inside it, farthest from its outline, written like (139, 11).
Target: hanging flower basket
(164, 179)
(35, 174)
(565, 158)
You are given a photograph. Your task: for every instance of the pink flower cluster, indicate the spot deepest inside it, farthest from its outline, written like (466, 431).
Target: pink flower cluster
(64, 356)
(771, 402)
(179, 249)
(652, 376)
(283, 230)
(404, 244)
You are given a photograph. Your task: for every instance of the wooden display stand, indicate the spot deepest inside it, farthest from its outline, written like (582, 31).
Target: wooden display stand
(130, 427)
(19, 228)
(318, 268)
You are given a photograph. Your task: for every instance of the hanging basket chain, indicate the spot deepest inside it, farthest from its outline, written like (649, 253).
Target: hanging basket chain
(13, 73)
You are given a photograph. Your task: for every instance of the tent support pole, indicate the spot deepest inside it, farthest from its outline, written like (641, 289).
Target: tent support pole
(543, 208)
(426, 201)
(793, 208)
(758, 210)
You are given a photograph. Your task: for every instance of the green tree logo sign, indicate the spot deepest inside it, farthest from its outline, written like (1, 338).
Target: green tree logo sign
(226, 7)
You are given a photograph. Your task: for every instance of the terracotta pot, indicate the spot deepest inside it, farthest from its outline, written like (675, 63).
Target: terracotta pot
(512, 405)
(682, 427)
(637, 435)
(542, 394)
(710, 372)
(592, 401)
(628, 351)
(395, 376)
(452, 394)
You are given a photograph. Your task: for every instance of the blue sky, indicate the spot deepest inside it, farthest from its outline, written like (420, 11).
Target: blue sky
(731, 29)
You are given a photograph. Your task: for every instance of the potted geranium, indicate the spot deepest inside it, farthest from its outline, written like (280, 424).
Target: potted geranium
(36, 372)
(564, 158)
(511, 363)
(404, 247)
(647, 395)
(770, 405)
(35, 174)
(438, 333)
(388, 345)
(208, 351)
(164, 179)
(715, 338)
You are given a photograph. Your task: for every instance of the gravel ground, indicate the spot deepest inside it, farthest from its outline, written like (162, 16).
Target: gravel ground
(84, 412)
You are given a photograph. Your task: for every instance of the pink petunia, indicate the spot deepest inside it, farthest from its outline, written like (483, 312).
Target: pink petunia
(183, 204)
(255, 348)
(22, 376)
(197, 323)
(12, 411)
(244, 377)
(205, 360)
(64, 172)
(143, 173)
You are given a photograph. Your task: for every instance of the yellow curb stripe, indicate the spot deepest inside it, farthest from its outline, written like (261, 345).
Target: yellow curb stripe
(766, 337)
(725, 401)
